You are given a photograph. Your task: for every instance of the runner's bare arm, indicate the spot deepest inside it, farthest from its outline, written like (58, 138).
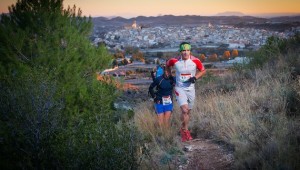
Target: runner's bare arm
(199, 74)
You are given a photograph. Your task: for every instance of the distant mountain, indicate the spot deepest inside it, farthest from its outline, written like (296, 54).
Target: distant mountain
(177, 20)
(230, 13)
(272, 15)
(118, 19)
(168, 20)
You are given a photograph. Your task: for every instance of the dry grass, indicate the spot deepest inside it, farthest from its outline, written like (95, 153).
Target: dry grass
(162, 149)
(146, 121)
(253, 118)
(247, 110)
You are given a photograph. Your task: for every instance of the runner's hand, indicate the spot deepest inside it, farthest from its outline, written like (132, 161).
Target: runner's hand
(192, 80)
(156, 100)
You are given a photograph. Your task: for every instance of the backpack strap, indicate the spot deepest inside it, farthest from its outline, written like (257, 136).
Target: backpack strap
(160, 81)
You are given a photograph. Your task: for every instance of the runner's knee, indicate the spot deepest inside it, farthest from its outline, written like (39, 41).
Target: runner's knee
(185, 110)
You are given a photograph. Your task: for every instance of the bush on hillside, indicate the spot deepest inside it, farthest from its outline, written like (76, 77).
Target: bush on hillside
(275, 49)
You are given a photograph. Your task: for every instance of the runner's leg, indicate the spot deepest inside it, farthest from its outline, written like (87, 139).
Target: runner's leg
(167, 116)
(160, 118)
(160, 114)
(185, 117)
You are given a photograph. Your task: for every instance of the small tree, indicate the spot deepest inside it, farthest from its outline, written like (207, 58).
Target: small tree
(226, 55)
(131, 50)
(139, 56)
(202, 57)
(114, 63)
(157, 62)
(234, 53)
(124, 61)
(213, 57)
(118, 55)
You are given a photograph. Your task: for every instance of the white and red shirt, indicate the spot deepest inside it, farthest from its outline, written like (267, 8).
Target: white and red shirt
(185, 69)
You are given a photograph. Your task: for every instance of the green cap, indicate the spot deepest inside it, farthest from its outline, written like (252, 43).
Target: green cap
(185, 47)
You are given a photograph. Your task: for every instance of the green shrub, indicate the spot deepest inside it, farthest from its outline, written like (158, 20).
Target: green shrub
(54, 113)
(31, 118)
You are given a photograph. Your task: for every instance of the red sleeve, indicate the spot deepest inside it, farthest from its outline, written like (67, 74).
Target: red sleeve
(171, 62)
(198, 63)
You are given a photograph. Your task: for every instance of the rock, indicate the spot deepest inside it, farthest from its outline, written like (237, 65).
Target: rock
(188, 148)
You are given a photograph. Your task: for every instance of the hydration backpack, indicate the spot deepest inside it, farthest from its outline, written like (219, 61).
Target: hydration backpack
(159, 71)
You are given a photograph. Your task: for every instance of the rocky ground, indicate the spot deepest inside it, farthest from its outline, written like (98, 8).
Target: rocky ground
(204, 154)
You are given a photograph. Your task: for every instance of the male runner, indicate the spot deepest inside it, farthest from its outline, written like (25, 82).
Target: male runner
(188, 69)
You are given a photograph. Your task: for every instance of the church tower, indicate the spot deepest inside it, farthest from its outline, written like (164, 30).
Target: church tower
(134, 26)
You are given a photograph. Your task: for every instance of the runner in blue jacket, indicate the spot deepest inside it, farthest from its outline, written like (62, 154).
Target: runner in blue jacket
(163, 99)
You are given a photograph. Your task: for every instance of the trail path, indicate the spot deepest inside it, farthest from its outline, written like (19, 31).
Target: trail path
(204, 154)
(201, 154)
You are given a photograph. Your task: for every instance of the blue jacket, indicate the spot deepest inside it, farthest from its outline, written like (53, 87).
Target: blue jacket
(164, 87)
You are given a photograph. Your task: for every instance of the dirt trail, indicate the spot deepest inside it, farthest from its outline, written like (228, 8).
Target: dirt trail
(204, 154)
(201, 154)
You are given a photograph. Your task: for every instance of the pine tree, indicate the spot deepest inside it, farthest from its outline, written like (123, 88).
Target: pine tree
(47, 58)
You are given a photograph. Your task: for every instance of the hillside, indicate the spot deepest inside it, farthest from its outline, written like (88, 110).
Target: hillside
(178, 20)
(193, 19)
(275, 24)
(246, 119)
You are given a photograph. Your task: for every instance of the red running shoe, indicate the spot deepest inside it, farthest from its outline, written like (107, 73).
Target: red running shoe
(185, 135)
(188, 134)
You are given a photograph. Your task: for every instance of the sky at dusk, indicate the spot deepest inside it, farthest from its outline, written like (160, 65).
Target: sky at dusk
(133, 8)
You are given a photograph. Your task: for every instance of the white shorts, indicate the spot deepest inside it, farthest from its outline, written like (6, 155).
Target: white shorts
(185, 96)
